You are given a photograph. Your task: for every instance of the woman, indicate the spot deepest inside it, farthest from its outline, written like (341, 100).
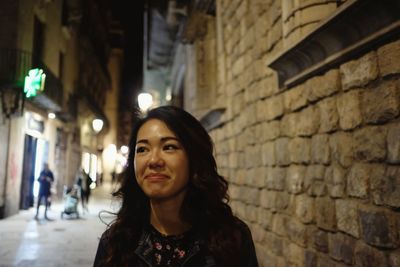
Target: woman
(174, 203)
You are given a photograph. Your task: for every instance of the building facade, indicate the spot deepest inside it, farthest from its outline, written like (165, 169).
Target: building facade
(68, 42)
(302, 101)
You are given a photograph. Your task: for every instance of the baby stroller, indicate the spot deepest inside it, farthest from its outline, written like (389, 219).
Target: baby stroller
(71, 200)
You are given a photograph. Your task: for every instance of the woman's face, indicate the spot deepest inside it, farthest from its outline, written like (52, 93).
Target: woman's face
(161, 163)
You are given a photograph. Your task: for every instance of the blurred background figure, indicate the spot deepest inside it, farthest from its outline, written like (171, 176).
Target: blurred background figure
(84, 181)
(46, 178)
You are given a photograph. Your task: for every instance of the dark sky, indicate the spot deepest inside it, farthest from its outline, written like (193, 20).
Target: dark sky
(130, 13)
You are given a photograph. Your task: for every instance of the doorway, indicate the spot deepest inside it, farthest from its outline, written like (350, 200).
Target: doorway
(35, 154)
(28, 173)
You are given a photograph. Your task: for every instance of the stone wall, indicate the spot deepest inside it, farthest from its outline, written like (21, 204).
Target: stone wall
(314, 169)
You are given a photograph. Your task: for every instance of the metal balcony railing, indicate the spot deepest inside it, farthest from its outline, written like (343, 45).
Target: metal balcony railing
(15, 65)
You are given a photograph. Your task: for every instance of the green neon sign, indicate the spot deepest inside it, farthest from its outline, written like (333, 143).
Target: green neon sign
(34, 82)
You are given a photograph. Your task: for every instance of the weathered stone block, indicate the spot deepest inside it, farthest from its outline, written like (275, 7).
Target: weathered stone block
(267, 198)
(387, 108)
(379, 228)
(265, 218)
(370, 144)
(329, 115)
(270, 130)
(276, 178)
(322, 86)
(295, 179)
(260, 180)
(358, 180)
(347, 217)
(297, 232)
(335, 177)
(250, 110)
(304, 208)
(365, 255)
(314, 182)
(288, 124)
(258, 233)
(274, 107)
(281, 200)
(252, 196)
(266, 87)
(341, 247)
(320, 150)
(325, 213)
(393, 143)
(359, 72)
(385, 185)
(300, 150)
(308, 121)
(321, 241)
(388, 56)
(268, 154)
(342, 147)
(348, 105)
(310, 258)
(295, 255)
(279, 225)
(251, 213)
(274, 244)
(282, 151)
(295, 98)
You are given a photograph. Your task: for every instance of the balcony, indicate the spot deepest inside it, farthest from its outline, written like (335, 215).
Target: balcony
(15, 65)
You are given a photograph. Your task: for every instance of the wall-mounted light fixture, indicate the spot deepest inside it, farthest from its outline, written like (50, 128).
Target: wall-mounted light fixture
(12, 101)
(51, 115)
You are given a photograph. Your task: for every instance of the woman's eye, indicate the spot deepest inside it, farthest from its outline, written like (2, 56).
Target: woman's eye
(140, 149)
(170, 147)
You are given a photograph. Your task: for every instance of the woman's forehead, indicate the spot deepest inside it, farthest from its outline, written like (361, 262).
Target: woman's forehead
(154, 128)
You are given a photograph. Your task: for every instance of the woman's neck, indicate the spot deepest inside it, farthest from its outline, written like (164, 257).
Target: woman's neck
(165, 217)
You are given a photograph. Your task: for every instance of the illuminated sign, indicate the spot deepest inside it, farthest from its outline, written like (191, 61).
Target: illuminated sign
(34, 82)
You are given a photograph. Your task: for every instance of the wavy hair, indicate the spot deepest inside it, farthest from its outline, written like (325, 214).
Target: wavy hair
(205, 205)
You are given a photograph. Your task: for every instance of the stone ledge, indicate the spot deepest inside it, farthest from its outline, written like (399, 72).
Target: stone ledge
(212, 119)
(353, 29)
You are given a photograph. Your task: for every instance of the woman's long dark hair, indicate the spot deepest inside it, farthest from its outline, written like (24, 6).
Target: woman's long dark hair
(205, 206)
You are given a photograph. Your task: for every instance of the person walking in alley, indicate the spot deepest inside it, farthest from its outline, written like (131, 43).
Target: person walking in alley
(46, 178)
(174, 209)
(83, 181)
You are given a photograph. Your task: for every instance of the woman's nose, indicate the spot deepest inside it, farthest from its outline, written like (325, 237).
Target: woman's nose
(156, 159)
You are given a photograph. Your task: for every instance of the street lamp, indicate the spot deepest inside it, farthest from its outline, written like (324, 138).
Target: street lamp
(97, 125)
(145, 101)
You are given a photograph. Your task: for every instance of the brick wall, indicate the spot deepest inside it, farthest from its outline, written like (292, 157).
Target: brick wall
(315, 169)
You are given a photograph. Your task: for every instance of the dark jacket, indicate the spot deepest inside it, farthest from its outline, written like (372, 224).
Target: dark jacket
(199, 256)
(45, 179)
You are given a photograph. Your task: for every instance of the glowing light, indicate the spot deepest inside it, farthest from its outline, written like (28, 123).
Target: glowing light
(51, 116)
(97, 125)
(145, 101)
(124, 149)
(34, 82)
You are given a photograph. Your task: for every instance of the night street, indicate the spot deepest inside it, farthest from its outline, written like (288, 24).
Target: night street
(62, 242)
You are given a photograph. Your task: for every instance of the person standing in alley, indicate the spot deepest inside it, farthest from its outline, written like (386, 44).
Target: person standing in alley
(46, 178)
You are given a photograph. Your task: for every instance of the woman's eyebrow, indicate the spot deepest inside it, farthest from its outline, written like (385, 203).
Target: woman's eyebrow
(163, 139)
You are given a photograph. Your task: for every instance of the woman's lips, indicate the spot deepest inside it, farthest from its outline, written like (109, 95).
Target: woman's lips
(156, 177)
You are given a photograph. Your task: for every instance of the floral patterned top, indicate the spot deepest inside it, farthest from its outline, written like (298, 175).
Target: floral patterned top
(171, 250)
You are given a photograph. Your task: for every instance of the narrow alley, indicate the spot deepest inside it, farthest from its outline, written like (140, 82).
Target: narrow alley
(56, 243)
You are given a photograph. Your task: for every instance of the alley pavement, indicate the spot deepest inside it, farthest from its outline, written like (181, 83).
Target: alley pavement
(59, 242)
